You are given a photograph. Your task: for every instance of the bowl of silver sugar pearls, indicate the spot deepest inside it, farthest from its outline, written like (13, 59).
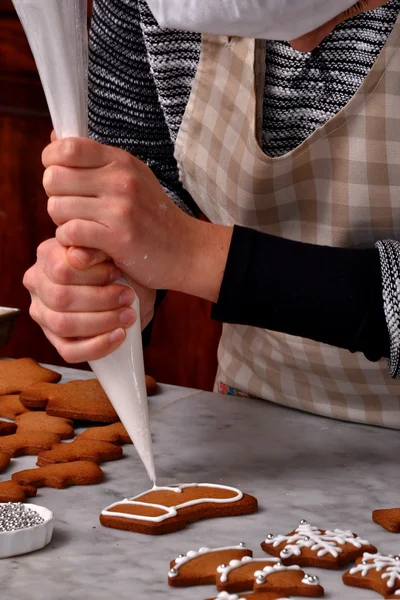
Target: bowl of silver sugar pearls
(24, 528)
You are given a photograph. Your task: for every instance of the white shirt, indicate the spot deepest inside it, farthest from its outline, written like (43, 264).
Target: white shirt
(261, 19)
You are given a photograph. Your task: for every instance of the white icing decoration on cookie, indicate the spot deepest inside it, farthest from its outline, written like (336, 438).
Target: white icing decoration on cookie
(379, 562)
(236, 564)
(171, 511)
(227, 596)
(307, 536)
(180, 561)
(269, 570)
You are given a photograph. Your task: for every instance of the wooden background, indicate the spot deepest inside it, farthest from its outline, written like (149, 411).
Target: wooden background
(184, 343)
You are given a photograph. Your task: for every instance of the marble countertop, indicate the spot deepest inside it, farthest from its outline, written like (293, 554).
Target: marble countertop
(298, 466)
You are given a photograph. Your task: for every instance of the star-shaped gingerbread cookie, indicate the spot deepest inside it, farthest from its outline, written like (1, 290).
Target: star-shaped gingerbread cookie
(377, 572)
(309, 546)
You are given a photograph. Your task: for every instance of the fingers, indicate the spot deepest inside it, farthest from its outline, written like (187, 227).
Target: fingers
(53, 136)
(64, 181)
(78, 152)
(83, 258)
(87, 234)
(53, 260)
(78, 298)
(81, 324)
(74, 351)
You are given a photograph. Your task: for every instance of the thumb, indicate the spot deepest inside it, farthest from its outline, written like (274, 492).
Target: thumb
(83, 258)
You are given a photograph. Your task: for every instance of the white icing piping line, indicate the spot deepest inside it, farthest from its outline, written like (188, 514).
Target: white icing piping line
(171, 511)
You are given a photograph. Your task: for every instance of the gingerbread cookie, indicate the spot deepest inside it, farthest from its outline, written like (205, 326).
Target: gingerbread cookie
(29, 443)
(11, 407)
(251, 596)
(238, 575)
(151, 385)
(114, 434)
(7, 428)
(80, 400)
(4, 461)
(11, 491)
(388, 518)
(200, 567)
(376, 572)
(41, 422)
(287, 580)
(168, 509)
(17, 374)
(80, 450)
(61, 475)
(309, 546)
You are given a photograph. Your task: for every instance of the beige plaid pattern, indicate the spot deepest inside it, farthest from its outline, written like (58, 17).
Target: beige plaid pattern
(341, 187)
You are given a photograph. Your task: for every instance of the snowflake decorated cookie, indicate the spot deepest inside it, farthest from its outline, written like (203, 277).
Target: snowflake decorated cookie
(168, 509)
(377, 572)
(251, 596)
(199, 567)
(309, 546)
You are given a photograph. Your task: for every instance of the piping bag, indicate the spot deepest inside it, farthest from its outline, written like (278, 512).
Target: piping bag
(57, 34)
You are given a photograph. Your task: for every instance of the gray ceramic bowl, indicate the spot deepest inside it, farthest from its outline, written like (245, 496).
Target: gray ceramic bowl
(8, 316)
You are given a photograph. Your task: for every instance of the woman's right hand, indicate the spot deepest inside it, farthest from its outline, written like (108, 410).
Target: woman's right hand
(80, 308)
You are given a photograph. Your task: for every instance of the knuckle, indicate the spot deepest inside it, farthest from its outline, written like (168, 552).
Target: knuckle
(28, 280)
(61, 324)
(66, 351)
(33, 313)
(69, 149)
(59, 298)
(126, 183)
(59, 271)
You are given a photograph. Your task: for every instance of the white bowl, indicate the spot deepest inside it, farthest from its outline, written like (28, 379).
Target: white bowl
(26, 540)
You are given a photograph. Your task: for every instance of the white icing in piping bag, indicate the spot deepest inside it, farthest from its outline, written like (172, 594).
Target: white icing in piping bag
(57, 34)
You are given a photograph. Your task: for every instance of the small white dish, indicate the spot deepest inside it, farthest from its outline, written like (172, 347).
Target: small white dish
(22, 541)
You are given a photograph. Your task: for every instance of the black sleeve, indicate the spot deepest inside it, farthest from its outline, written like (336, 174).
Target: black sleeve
(331, 295)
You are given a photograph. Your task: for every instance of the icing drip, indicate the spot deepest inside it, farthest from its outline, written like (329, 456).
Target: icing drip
(235, 564)
(389, 565)
(171, 511)
(182, 560)
(307, 536)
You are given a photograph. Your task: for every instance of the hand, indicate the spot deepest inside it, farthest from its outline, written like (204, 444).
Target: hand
(309, 41)
(102, 197)
(80, 308)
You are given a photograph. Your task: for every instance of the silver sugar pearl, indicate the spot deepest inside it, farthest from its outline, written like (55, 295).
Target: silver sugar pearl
(278, 564)
(285, 551)
(306, 538)
(173, 572)
(270, 536)
(364, 562)
(397, 557)
(313, 578)
(223, 566)
(181, 556)
(303, 522)
(260, 579)
(242, 545)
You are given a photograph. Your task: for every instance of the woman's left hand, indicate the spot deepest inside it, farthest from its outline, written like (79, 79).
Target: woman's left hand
(103, 197)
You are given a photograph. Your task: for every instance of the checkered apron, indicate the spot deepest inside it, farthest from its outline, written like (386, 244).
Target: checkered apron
(340, 187)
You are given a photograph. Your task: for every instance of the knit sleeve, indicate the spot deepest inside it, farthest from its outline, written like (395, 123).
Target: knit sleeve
(124, 108)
